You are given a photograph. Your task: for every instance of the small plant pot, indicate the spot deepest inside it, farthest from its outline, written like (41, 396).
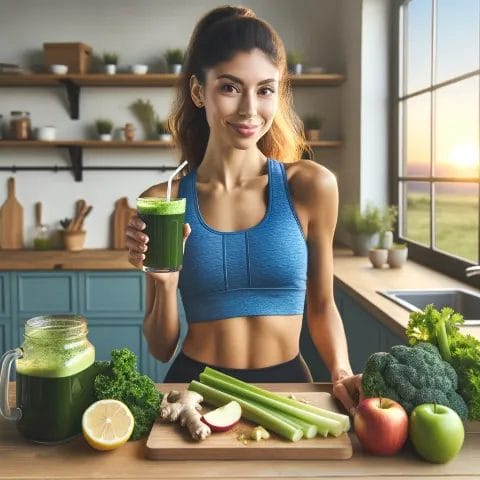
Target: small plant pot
(110, 69)
(397, 257)
(378, 257)
(74, 241)
(298, 69)
(165, 137)
(105, 137)
(176, 68)
(139, 69)
(362, 243)
(313, 135)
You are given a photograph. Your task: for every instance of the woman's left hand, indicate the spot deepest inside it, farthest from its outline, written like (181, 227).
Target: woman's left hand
(347, 389)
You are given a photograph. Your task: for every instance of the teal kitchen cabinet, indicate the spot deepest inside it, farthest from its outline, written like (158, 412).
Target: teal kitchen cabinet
(112, 301)
(365, 335)
(5, 309)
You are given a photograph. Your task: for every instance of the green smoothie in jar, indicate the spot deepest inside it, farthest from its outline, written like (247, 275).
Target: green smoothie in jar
(55, 378)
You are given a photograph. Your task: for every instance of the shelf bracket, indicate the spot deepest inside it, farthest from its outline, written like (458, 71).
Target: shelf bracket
(76, 158)
(73, 94)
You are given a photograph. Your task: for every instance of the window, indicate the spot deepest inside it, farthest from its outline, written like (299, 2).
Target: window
(438, 118)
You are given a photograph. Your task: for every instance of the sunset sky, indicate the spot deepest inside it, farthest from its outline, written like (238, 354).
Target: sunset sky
(456, 121)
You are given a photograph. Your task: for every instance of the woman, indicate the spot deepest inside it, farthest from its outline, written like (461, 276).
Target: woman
(260, 224)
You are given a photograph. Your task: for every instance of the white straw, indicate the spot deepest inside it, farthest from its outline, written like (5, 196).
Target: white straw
(169, 183)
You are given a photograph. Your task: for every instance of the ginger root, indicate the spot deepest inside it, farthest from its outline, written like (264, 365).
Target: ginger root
(185, 405)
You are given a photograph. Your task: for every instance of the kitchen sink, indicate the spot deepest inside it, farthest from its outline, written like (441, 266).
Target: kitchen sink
(462, 301)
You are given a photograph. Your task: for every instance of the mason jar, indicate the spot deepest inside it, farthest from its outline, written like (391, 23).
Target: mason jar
(20, 125)
(55, 375)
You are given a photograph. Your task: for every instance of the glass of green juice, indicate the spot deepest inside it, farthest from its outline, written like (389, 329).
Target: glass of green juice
(55, 375)
(164, 220)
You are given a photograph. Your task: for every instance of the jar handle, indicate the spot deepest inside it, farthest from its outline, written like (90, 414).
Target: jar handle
(5, 367)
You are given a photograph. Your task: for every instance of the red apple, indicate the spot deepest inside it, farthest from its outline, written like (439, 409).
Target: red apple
(381, 425)
(223, 418)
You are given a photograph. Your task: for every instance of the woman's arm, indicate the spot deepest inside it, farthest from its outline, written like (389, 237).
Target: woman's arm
(320, 200)
(324, 322)
(161, 326)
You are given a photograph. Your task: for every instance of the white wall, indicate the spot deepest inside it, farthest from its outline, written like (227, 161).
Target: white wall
(328, 31)
(375, 92)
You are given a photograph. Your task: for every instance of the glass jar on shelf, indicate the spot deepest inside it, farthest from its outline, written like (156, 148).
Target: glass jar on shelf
(20, 125)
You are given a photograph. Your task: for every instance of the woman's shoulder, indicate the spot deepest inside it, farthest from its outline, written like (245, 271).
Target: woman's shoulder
(309, 180)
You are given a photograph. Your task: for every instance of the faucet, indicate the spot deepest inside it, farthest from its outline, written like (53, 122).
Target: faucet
(472, 271)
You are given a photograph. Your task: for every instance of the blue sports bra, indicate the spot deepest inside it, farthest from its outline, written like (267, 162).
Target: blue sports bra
(261, 270)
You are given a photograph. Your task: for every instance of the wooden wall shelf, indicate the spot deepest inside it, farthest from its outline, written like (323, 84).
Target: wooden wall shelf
(147, 80)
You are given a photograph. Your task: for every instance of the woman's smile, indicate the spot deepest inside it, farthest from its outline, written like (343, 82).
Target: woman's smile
(243, 129)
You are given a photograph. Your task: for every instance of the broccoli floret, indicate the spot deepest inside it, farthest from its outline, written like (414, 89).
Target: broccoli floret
(412, 376)
(119, 379)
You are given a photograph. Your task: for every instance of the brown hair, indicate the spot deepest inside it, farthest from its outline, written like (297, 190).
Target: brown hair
(218, 36)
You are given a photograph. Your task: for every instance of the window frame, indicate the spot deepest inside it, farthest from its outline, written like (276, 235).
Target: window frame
(428, 256)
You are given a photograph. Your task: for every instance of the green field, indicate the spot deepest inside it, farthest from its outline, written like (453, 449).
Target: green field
(456, 223)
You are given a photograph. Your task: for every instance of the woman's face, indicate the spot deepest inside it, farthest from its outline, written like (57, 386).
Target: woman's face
(240, 97)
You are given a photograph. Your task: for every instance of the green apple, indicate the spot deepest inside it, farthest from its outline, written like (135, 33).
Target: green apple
(436, 432)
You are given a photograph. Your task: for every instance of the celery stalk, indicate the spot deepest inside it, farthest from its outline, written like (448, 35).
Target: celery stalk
(343, 419)
(251, 412)
(309, 430)
(333, 427)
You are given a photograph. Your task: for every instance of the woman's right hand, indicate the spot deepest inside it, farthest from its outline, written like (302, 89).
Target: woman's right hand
(137, 244)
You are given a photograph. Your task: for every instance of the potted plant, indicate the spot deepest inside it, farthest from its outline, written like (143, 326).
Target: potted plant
(295, 62)
(312, 125)
(397, 255)
(378, 256)
(145, 113)
(104, 129)
(110, 60)
(363, 227)
(175, 58)
(389, 216)
(163, 133)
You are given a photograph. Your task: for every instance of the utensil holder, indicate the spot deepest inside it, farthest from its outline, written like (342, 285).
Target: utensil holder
(74, 241)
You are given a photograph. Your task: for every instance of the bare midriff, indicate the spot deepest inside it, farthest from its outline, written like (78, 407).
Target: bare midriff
(244, 342)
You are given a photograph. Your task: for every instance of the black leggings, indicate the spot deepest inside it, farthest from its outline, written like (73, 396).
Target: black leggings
(185, 369)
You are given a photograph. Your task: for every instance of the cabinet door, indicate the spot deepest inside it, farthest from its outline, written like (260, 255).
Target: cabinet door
(106, 336)
(391, 339)
(364, 333)
(43, 293)
(5, 296)
(116, 295)
(6, 320)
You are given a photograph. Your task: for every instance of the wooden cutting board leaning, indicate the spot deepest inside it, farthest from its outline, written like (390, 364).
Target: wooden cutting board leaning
(121, 216)
(170, 441)
(11, 220)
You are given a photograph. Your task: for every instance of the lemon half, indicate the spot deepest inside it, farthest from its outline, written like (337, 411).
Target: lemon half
(107, 424)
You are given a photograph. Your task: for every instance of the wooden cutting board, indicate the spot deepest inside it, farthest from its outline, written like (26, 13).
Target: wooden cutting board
(121, 216)
(11, 220)
(169, 441)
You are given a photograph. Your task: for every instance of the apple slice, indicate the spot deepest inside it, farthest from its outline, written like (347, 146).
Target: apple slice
(223, 418)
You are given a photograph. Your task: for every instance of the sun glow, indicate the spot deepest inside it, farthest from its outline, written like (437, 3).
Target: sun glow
(464, 155)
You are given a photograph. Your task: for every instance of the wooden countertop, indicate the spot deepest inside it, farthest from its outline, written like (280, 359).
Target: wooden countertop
(357, 276)
(75, 459)
(88, 259)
